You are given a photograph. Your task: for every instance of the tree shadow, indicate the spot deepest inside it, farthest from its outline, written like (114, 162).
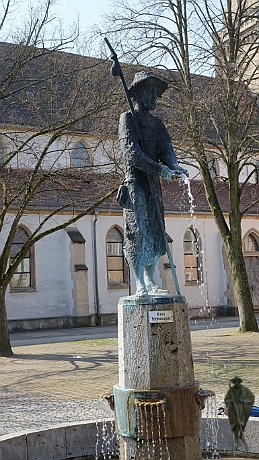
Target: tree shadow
(79, 364)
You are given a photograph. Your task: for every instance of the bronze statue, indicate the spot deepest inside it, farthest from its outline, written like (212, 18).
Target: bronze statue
(239, 401)
(148, 155)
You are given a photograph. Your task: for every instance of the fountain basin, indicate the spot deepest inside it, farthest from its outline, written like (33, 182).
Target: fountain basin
(216, 434)
(87, 440)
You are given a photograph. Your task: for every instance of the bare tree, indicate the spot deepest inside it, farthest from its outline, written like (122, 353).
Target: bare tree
(217, 115)
(48, 100)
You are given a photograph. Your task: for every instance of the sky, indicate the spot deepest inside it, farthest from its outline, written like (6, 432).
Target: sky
(68, 12)
(89, 11)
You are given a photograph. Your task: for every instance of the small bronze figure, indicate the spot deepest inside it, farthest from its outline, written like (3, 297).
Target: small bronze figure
(239, 401)
(145, 162)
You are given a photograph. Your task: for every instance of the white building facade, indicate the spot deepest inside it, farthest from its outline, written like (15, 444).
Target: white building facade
(76, 282)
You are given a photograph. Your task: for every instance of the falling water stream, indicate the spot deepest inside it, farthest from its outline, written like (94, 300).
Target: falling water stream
(187, 182)
(201, 250)
(151, 430)
(211, 428)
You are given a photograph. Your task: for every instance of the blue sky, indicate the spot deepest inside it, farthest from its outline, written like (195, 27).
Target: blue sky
(89, 11)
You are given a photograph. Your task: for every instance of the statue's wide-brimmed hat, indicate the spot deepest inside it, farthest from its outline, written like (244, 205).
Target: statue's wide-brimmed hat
(236, 380)
(143, 78)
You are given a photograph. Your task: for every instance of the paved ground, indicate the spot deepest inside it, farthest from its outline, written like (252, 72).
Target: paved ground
(28, 412)
(58, 376)
(56, 383)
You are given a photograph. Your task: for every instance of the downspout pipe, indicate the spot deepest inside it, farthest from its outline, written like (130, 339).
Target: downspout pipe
(96, 287)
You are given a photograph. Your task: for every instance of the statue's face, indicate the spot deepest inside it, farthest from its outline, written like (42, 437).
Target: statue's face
(147, 96)
(236, 385)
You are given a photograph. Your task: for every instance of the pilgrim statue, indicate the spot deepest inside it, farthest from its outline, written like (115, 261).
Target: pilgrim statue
(148, 155)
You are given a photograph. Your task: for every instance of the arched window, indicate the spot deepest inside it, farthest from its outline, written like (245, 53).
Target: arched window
(257, 172)
(3, 154)
(79, 156)
(213, 167)
(251, 243)
(192, 257)
(117, 270)
(24, 276)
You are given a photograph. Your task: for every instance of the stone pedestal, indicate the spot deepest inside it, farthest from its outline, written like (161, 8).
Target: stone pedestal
(158, 416)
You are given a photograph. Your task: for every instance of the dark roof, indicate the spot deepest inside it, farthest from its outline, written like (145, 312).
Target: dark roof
(81, 193)
(40, 88)
(58, 190)
(176, 197)
(37, 87)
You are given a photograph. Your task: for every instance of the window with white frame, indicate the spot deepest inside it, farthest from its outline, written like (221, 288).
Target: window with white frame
(257, 172)
(3, 153)
(117, 270)
(79, 156)
(24, 276)
(251, 243)
(213, 167)
(192, 257)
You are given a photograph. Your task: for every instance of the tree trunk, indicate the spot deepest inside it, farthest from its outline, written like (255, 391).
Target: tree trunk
(241, 287)
(5, 346)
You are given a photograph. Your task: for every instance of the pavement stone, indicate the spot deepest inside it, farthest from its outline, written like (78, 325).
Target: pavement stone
(27, 412)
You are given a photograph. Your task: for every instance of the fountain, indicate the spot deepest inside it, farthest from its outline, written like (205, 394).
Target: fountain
(157, 401)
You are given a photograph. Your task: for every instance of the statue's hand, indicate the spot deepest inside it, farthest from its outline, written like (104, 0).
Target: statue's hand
(180, 171)
(177, 172)
(166, 173)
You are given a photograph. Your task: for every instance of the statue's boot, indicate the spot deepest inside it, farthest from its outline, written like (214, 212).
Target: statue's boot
(156, 290)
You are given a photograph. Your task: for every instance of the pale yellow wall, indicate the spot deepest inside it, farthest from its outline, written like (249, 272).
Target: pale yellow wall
(24, 147)
(60, 293)
(80, 289)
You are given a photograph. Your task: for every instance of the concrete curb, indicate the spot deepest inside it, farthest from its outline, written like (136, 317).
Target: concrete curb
(63, 442)
(60, 442)
(216, 435)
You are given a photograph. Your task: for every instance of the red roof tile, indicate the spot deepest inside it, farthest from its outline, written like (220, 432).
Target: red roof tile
(82, 192)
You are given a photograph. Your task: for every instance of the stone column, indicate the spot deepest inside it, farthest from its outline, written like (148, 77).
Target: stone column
(81, 298)
(80, 277)
(156, 367)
